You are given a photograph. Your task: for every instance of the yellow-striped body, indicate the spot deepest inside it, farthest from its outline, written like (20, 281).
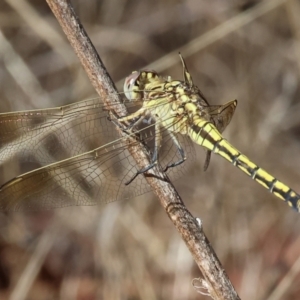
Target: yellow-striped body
(86, 175)
(180, 107)
(206, 135)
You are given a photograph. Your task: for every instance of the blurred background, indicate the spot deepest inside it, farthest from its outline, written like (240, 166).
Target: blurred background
(245, 50)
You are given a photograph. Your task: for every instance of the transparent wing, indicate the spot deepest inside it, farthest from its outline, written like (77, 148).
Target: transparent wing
(221, 115)
(96, 176)
(53, 134)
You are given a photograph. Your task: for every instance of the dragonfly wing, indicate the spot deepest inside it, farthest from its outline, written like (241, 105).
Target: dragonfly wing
(94, 177)
(50, 135)
(222, 114)
(97, 176)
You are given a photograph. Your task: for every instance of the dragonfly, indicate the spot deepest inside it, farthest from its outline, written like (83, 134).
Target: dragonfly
(84, 161)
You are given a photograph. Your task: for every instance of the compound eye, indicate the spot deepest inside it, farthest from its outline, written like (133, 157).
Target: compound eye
(131, 88)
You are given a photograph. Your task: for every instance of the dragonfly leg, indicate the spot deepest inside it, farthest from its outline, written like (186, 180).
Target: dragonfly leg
(133, 120)
(154, 158)
(207, 160)
(113, 120)
(180, 150)
(142, 171)
(132, 117)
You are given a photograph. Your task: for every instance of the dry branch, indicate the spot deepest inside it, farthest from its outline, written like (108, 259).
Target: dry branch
(219, 286)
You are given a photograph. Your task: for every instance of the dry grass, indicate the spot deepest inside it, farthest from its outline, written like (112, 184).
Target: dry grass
(129, 250)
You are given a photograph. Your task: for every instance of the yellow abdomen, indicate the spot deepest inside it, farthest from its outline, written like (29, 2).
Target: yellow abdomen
(205, 134)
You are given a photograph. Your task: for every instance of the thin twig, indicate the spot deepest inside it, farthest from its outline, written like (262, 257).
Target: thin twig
(219, 285)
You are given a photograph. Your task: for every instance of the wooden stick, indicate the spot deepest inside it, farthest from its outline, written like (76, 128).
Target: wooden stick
(215, 280)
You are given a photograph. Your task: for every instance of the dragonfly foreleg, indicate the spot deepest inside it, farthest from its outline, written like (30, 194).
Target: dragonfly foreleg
(180, 150)
(115, 120)
(129, 121)
(133, 120)
(135, 117)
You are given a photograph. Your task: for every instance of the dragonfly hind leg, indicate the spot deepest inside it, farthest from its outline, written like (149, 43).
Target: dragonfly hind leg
(180, 150)
(154, 158)
(157, 146)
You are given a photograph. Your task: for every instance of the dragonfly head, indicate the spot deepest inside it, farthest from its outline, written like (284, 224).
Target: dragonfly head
(130, 87)
(136, 82)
